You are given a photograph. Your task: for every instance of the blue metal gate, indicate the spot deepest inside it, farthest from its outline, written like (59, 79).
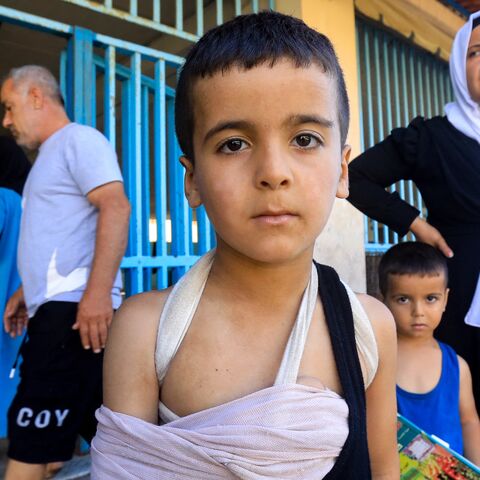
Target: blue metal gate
(397, 82)
(127, 92)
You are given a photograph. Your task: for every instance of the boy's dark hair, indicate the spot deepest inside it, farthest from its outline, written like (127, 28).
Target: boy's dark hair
(411, 258)
(246, 42)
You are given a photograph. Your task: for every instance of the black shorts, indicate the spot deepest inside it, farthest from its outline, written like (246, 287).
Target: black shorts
(60, 389)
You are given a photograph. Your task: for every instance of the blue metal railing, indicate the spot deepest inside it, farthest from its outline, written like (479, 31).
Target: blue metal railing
(127, 91)
(151, 18)
(397, 82)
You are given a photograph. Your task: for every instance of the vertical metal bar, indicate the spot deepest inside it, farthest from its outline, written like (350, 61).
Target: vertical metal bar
(420, 88)
(371, 138)
(63, 75)
(133, 8)
(378, 87)
(360, 84)
(179, 14)
(93, 96)
(271, 4)
(145, 179)
(441, 83)
(178, 205)
(127, 174)
(255, 6)
(413, 86)
(199, 18)
(436, 99)
(108, 4)
(396, 86)
(109, 95)
(428, 90)
(403, 69)
(386, 76)
(238, 7)
(360, 63)
(135, 132)
(156, 11)
(368, 84)
(160, 166)
(82, 57)
(219, 8)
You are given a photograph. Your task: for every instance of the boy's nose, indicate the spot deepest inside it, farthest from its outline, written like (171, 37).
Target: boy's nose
(273, 169)
(417, 309)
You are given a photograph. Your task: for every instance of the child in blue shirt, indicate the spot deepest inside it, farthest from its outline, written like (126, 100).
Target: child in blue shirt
(434, 384)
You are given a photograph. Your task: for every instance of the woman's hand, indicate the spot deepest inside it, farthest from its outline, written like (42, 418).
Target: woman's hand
(424, 232)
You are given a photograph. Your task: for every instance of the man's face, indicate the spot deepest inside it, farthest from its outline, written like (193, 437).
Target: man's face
(268, 159)
(19, 115)
(473, 65)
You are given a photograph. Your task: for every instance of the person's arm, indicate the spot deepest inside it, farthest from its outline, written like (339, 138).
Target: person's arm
(468, 415)
(381, 395)
(130, 384)
(381, 166)
(95, 310)
(15, 317)
(377, 168)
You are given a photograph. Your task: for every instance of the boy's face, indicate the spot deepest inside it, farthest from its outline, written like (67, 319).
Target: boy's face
(268, 159)
(417, 303)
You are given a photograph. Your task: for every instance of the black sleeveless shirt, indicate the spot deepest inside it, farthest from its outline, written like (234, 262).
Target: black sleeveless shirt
(353, 462)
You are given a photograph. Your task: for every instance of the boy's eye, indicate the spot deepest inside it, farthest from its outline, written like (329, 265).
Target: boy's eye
(432, 299)
(233, 145)
(402, 300)
(306, 140)
(473, 53)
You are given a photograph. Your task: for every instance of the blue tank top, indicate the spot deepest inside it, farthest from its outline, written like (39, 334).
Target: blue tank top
(437, 412)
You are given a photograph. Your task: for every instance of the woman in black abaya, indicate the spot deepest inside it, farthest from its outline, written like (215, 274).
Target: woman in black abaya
(442, 156)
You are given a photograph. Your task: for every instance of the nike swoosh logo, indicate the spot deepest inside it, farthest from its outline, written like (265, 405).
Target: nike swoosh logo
(57, 283)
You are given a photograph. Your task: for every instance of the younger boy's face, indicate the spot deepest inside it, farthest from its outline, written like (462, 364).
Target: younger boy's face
(417, 303)
(268, 158)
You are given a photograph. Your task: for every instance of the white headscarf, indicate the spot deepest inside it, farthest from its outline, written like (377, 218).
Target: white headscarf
(463, 113)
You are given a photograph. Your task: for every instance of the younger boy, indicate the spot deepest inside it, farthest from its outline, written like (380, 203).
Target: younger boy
(434, 385)
(248, 368)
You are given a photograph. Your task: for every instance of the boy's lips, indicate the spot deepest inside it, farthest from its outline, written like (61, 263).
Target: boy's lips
(419, 326)
(274, 217)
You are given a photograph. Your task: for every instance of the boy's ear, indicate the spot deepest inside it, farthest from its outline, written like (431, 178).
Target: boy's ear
(342, 188)
(191, 191)
(447, 291)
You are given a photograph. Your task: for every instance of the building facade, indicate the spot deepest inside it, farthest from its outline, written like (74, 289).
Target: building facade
(117, 62)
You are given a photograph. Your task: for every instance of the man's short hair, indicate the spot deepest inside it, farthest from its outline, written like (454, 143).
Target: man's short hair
(23, 78)
(411, 258)
(246, 42)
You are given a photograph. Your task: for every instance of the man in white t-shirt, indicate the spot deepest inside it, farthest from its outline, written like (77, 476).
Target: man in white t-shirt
(73, 235)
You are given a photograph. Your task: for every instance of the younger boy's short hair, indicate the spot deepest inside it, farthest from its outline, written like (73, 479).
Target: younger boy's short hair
(246, 42)
(411, 258)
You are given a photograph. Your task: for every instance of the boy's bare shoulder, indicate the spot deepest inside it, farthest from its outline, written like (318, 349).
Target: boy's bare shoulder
(143, 306)
(380, 317)
(136, 321)
(130, 382)
(463, 367)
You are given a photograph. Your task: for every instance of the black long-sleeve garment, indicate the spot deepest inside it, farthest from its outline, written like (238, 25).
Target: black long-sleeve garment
(445, 165)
